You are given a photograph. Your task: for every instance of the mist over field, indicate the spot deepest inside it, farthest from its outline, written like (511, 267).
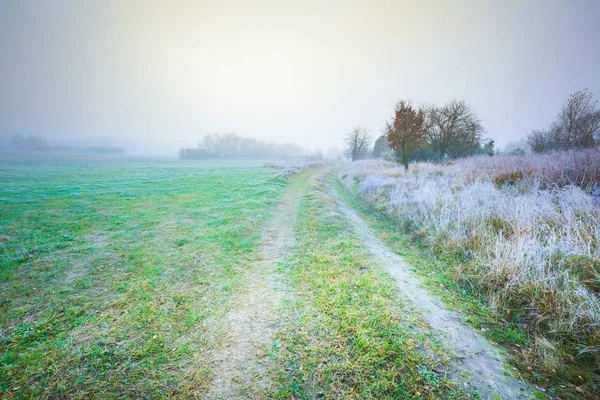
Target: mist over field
(156, 77)
(300, 200)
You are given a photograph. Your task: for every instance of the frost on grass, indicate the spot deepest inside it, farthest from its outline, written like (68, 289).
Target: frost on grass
(291, 167)
(526, 229)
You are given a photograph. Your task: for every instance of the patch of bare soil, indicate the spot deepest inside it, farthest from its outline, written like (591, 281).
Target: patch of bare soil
(97, 240)
(476, 363)
(239, 371)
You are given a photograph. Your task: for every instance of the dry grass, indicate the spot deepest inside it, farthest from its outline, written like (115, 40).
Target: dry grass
(525, 231)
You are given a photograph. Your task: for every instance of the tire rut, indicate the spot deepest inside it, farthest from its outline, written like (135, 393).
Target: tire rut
(239, 370)
(472, 353)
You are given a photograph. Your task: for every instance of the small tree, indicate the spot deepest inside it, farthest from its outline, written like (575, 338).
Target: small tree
(487, 147)
(357, 144)
(381, 146)
(407, 132)
(539, 141)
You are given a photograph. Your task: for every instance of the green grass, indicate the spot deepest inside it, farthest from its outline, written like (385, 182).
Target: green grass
(112, 272)
(116, 274)
(346, 333)
(436, 268)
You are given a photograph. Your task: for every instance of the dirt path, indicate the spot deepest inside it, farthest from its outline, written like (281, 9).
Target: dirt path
(239, 360)
(473, 354)
(239, 371)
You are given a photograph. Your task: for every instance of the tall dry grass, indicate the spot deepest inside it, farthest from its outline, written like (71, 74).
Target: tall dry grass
(527, 230)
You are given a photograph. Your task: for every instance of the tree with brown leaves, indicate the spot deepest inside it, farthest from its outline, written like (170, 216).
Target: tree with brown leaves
(407, 132)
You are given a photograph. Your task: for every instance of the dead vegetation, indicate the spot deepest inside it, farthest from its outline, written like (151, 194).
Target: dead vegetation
(522, 231)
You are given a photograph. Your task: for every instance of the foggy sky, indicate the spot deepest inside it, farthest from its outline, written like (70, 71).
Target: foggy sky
(157, 75)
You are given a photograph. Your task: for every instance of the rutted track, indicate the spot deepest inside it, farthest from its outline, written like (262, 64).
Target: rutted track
(472, 353)
(239, 370)
(240, 359)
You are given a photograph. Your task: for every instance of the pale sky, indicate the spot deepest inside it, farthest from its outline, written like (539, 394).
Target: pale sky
(157, 75)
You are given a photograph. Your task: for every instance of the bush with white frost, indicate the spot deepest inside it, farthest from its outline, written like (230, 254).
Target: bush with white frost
(528, 230)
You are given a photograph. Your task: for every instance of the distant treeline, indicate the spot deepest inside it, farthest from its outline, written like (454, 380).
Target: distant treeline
(230, 145)
(38, 144)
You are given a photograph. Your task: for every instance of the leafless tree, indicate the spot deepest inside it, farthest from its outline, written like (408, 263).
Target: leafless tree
(407, 132)
(453, 129)
(539, 141)
(231, 145)
(357, 144)
(578, 121)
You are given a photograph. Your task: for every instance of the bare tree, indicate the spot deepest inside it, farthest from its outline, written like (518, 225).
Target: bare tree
(357, 144)
(407, 132)
(453, 129)
(578, 121)
(539, 141)
(231, 145)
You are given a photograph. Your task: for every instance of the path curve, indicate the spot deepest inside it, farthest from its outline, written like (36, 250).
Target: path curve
(473, 353)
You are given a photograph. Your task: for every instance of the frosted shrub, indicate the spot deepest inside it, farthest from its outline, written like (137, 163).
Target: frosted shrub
(376, 183)
(528, 229)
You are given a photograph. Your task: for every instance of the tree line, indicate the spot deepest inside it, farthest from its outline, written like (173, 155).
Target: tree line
(20, 143)
(426, 132)
(435, 133)
(231, 145)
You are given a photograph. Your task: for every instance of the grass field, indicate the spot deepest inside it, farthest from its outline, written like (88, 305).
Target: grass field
(146, 278)
(113, 271)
